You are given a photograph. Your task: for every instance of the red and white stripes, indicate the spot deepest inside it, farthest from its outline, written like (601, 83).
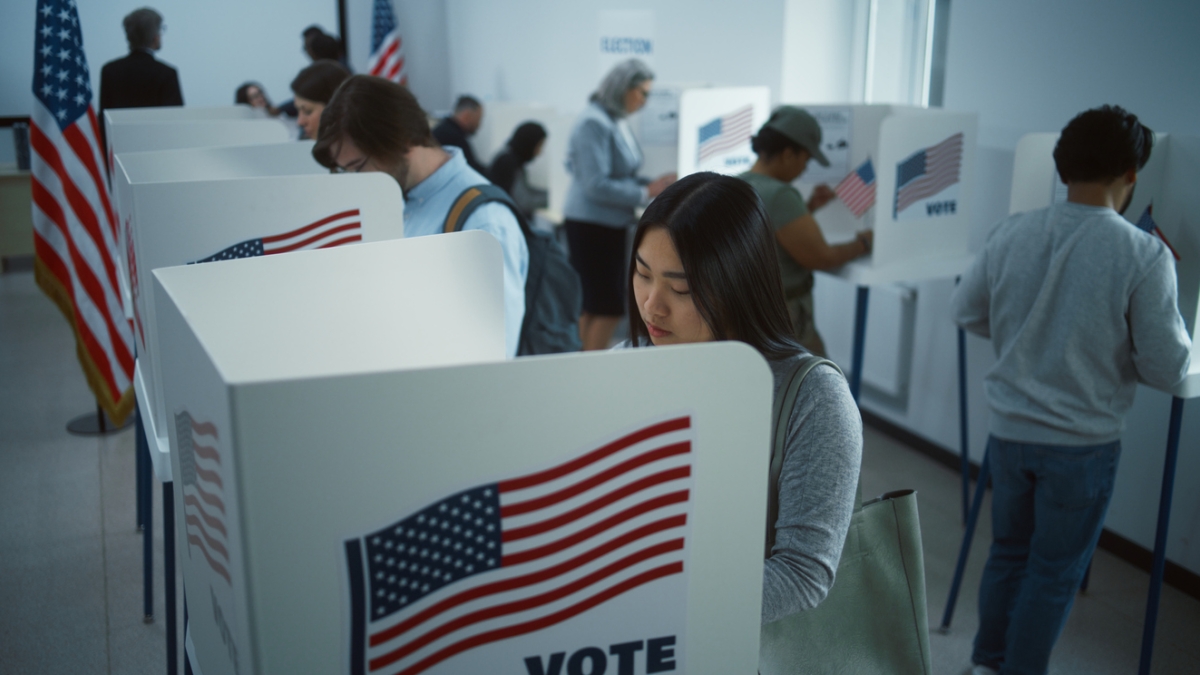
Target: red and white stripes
(75, 241)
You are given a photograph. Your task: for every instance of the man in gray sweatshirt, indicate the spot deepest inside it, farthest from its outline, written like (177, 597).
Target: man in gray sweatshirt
(1080, 306)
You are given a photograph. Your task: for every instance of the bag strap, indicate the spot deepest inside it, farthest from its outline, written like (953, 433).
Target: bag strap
(780, 415)
(476, 196)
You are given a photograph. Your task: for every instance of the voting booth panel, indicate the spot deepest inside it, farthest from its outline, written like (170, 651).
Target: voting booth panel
(1165, 204)
(293, 158)
(310, 314)
(188, 222)
(715, 127)
(917, 165)
(492, 517)
(134, 116)
(202, 163)
(146, 136)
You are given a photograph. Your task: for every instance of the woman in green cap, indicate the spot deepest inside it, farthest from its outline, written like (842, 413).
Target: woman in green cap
(784, 145)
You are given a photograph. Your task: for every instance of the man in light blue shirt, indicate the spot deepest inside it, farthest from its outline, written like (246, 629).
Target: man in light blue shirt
(372, 124)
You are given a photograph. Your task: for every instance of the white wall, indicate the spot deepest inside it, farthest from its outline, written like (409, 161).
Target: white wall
(216, 45)
(546, 51)
(1026, 66)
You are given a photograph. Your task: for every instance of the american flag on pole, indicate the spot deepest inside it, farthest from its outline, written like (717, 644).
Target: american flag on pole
(927, 172)
(510, 558)
(203, 491)
(387, 49)
(725, 133)
(74, 226)
(857, 190)
(1146, 224)
(336, 230)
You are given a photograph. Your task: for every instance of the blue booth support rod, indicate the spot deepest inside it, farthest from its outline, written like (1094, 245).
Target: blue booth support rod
(860, 335)
(1160, 537)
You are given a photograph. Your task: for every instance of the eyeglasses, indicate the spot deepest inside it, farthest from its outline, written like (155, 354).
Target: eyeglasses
(356, 167)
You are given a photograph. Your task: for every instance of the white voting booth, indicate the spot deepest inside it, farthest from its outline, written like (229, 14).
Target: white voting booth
(182, 222)
(132, 117)
(293, 158)
(148, 129)
(406, 506)
(1166, 185)
(923, 163)
(715, 127)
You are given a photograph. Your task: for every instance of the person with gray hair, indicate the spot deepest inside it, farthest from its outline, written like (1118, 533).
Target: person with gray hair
(139, 80)
(455, 129)
(604, 157)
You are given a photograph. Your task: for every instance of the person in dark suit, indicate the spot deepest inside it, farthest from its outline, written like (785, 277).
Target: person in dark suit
(454, 130)
(139, 80)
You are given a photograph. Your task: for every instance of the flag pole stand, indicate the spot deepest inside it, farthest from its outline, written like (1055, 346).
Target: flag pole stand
(96, 424)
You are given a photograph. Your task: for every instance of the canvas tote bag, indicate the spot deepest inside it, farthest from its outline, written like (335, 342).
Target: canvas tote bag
(874, 618)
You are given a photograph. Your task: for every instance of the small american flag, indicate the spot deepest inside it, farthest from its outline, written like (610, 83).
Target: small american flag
(74, 226)
(1146, 224)
(336, 230)
(387, 50)
(203, 491)
(725, 133)
(520, 555)
(928, 172)
(857, 189)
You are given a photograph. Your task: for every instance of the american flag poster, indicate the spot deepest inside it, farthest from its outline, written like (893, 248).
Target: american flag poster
(515, 575)
(857, 190)
(724, 135)
(927, 181)
(204, 506)
(1146, 224)
(335, 230)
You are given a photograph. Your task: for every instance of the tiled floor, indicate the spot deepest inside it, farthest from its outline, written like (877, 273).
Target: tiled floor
(71, 562)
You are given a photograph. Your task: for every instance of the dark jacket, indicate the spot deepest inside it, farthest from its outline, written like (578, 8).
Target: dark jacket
(448, 132)
(138, 81)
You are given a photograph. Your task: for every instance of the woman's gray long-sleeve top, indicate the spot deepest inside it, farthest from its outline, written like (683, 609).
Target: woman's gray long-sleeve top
(817, 486)
(603, 161)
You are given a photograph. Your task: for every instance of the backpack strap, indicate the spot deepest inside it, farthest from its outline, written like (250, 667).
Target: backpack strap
(780, 415)
(476, 196)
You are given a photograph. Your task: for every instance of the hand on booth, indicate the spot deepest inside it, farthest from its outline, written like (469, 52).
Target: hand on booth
(821, 195)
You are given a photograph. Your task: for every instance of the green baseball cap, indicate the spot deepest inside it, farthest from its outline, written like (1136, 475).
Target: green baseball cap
(801, 127)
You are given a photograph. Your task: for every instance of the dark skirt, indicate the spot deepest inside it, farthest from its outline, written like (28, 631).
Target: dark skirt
(598, 255)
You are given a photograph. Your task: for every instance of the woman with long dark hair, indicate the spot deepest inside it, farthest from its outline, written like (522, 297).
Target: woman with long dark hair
(703, 269)
(508, 168)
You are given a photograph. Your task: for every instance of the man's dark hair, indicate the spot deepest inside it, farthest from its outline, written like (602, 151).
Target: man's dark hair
(141, 27)
(318, 81)
(1101, 144)
(311, 31)
(467, 103)
(769, 143)
(381, 117)
(323, 46)
(725, 242)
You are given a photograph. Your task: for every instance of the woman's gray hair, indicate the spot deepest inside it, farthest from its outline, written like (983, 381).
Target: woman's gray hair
(624, 76)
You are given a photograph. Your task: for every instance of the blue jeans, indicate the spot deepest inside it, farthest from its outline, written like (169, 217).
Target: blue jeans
(1048, 505)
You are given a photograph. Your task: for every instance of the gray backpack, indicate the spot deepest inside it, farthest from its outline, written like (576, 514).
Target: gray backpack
(553, 294)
